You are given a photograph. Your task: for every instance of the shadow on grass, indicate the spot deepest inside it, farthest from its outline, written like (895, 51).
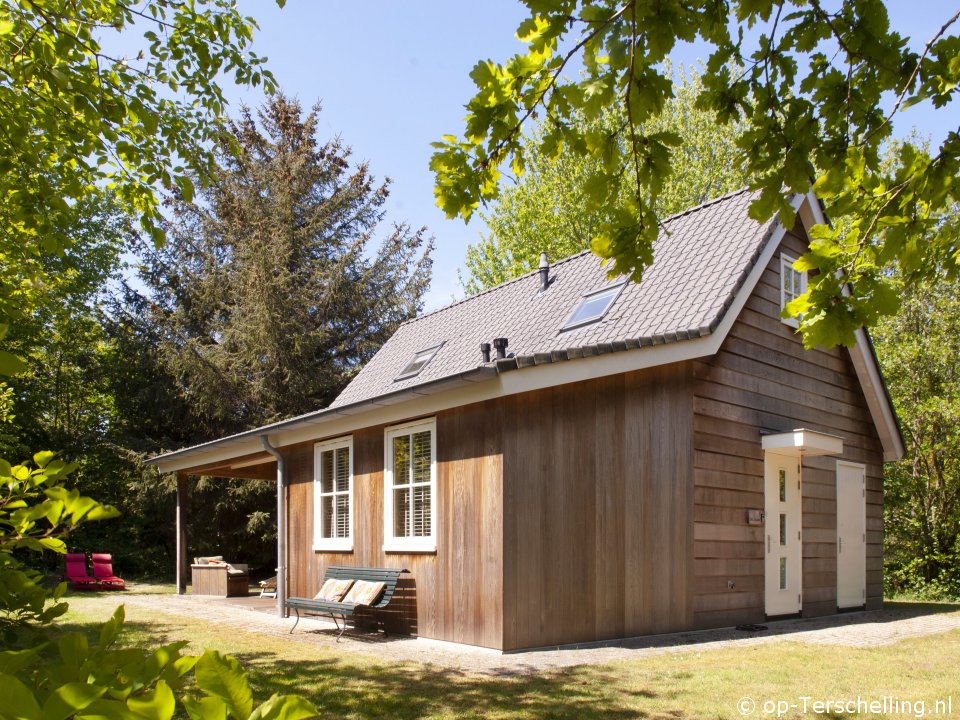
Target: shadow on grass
(367, 688)
(344, 689)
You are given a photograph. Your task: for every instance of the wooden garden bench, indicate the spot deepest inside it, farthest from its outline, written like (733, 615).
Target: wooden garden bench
(344, 611)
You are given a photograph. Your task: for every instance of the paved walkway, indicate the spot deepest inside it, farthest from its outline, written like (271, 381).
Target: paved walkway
(858, 629)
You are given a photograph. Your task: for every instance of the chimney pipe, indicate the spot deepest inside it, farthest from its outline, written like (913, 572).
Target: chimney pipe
(501, 346)
(544, 272)
(485, 350)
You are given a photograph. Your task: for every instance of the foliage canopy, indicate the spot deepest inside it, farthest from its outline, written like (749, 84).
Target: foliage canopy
(545, 211)
(809, 83)
(919, 350)
(78, 115)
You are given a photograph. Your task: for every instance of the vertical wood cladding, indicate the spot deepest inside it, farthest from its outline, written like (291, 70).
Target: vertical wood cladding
(762, 379)
(598, 496)
(585, 536)
(454, 594)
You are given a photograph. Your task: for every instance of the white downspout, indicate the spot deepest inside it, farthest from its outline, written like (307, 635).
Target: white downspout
(281, 526)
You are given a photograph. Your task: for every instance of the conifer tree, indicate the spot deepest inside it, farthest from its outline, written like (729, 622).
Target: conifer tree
(271, 290)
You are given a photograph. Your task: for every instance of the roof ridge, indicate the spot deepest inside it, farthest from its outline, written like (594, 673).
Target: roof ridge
(707, 203)
(569, 258)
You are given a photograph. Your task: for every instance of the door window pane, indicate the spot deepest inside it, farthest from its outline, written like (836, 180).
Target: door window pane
(783, 485)
(783, 573)
(783, 529)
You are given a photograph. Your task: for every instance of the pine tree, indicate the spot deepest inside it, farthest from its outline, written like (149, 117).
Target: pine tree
(270, 292)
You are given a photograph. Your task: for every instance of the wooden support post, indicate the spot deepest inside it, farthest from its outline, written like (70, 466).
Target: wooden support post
(181, 533)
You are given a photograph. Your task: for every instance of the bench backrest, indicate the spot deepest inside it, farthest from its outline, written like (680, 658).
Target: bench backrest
(388, 576)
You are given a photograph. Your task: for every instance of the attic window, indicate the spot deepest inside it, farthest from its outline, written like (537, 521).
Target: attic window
(418, 362)
(793, 284)
(593, 307)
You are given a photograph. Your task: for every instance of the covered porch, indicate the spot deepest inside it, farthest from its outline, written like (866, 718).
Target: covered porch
(267, 464)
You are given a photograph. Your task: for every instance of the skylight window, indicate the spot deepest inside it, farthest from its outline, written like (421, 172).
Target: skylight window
(418, 362)
(593, 307)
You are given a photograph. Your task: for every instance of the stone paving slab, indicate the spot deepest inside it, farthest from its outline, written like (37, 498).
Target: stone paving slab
(855, 629)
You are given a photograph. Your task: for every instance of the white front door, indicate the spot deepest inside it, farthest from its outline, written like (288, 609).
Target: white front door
(851, 535)
(782, 537)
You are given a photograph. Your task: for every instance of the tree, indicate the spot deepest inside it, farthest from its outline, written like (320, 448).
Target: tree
(62, 399)
(811, 87)
(77, 116)
(70, 676)
(272, 290)
(919, 350)
(544, 210)
(269, 294)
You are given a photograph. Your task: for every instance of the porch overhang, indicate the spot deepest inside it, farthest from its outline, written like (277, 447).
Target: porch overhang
(802, 443)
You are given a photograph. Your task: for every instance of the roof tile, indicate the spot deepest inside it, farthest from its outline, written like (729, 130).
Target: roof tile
(701, 259)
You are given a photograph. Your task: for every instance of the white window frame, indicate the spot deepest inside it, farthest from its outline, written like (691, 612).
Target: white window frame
(392, 543)
(786, 265)
(320, 543)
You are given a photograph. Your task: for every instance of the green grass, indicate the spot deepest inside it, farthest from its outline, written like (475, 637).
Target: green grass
(692, 684)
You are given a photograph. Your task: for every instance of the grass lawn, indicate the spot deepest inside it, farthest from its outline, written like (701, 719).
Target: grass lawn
(706, 684)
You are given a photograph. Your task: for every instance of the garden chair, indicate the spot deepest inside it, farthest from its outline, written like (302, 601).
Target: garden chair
(268, 588)
(75, 572)
(103, 572)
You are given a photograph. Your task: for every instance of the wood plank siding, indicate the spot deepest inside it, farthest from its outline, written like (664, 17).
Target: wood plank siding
(454, 594)
(762, 380)
(578, 539)
(598, 496)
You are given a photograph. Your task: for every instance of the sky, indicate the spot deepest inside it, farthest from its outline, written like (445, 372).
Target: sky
(392, 77)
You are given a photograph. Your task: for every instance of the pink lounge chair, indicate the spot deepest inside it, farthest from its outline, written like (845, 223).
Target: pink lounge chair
(103, 572)
(75, 572)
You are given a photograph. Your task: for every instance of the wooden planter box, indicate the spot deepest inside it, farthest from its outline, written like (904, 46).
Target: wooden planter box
(214, 580)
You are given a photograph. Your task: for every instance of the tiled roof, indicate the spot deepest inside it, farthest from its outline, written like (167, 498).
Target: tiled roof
(701, 259)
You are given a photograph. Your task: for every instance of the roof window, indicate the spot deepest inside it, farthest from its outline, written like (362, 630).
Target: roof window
(418, 362)
(593, 307)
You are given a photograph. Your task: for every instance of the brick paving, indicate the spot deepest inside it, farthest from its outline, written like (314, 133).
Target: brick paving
(856, 629)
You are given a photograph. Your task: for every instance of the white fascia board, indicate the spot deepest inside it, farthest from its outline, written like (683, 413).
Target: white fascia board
(213, 454)
(865, 363)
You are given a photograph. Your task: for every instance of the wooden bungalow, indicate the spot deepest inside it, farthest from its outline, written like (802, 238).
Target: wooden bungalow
(567, 458)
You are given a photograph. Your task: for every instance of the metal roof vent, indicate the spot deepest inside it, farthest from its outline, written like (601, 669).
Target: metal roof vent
(544, 272)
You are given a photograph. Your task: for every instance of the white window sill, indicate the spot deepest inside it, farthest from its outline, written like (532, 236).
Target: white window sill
(403, 545)
(340, 545)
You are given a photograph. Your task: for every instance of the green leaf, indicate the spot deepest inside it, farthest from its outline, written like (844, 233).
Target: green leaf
(69, 699)
(43, 458)
(18, 702)
(223, 677)
(111, 628)
(10, 364)
(73, 649)
(208, 708)
(285, 707)
(156, 705)
(12, 661)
